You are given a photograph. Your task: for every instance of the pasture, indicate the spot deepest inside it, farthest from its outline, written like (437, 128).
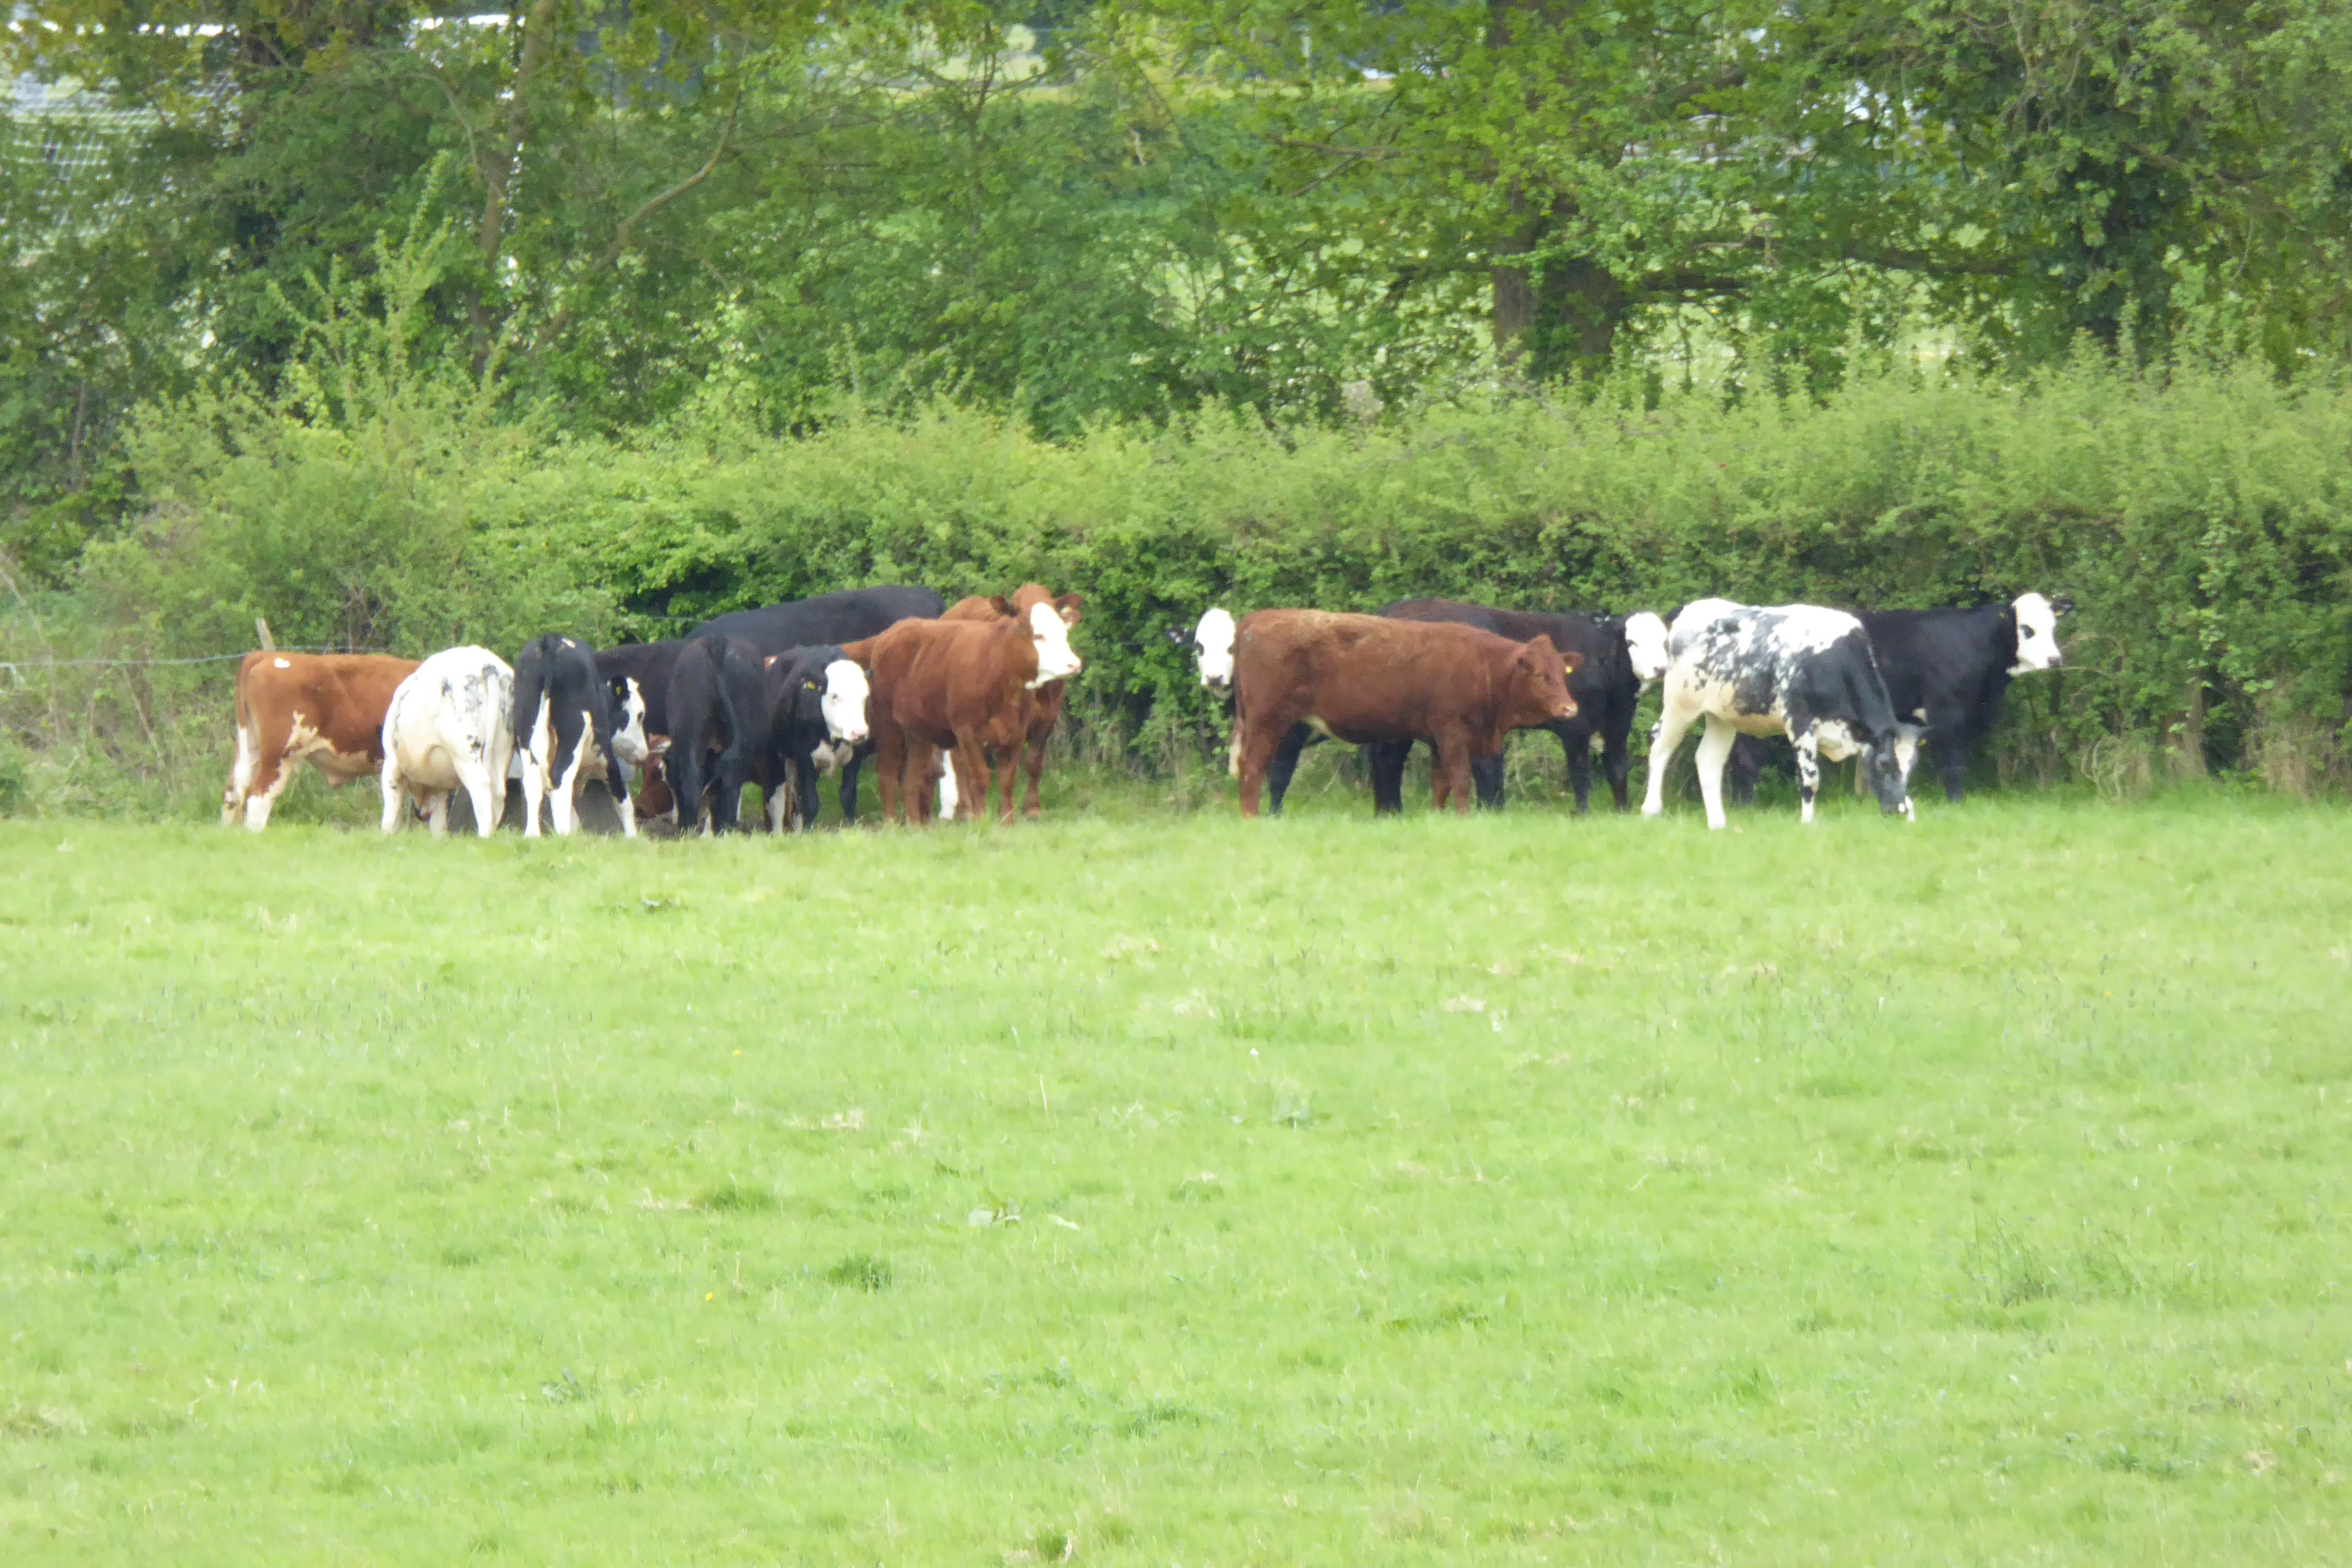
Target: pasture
(1149, 1188)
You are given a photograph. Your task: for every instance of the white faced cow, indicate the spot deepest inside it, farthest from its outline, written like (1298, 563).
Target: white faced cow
(450, 726)
(1793, 669)
(1213, 643)
(571, 725)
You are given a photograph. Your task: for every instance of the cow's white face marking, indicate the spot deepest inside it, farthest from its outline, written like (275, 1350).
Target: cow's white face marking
(844, 702)
(1214, 639)
(629, 735)
(1645, 644)
(2037, 635)
(282, 664)
(1055, 658)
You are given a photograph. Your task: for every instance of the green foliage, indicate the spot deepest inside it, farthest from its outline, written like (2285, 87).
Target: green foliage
(1790, 1191)
(367, 503)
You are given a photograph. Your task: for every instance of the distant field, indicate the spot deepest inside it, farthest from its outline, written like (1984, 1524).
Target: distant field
(1185, 1190)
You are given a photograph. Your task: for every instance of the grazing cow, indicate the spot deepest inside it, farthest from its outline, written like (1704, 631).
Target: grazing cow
(1946, 672)
(1368, 678)
(959, 686)
(815, 702)
(1796, 670)
(570, 725)
(1619, 655)
(717, 708)
(1045, 702)
(827, 620)
(650, 665)
(326, 708)
(450, 725)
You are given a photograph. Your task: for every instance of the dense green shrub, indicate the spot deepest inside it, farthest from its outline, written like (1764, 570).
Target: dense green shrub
(2201, 516)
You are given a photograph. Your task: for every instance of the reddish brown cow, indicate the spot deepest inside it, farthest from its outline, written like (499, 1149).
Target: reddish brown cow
(1362, 679)
(1044, 704)
(957, 685)
(329, 707)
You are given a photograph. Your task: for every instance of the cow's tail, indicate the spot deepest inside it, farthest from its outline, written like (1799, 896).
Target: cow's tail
(531, 669)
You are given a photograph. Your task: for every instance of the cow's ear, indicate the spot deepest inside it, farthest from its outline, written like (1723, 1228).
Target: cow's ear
(1070, 604)
(769, 662)
(1002, 606)
(1572, 662)
(657, 746)
(1175, 635)
(2062, 606)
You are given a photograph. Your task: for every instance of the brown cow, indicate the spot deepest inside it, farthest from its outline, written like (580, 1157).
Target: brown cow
(957, 685)
(1044, 704)
(1362, 679)
(329, 707)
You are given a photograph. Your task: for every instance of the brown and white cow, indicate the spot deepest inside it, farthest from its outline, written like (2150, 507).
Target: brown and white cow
(326, 708)
(958, 686)
(1044, 704)
(1365, 678)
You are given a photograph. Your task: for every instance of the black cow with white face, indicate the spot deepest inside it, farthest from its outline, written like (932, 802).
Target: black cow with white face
(827, 620)
(570, 725)
(1946, 672)
(815, 706)
(1619, 654)
(1794, 669)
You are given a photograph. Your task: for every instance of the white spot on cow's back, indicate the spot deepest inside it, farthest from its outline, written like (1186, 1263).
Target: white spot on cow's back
(283, 663)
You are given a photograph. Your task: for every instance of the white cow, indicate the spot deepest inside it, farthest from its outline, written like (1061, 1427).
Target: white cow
(450, 726)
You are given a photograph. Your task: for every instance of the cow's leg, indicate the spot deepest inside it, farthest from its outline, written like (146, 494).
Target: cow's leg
(1576, 749)
(1616, 763)
(1384, 765)
(1008, 782)
(436, 811)
(1808, 772)
(484, 791)
(1255, 748)
(1714, 751)
(273, 770)
(622, 803)
(566, 806)
(394, 796)
(1284, 763)
(1951, 760)
(240, 773)
(889, 771)
(1449, 775)
(1674, 722)
(1033, 766)
(1487, 779)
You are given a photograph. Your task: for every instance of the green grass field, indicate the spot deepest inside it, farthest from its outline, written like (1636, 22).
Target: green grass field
(1151, 1190)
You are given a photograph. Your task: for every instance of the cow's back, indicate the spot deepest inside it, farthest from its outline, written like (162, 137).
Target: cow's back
(342, 697)
(1600, 640)
(850, 615)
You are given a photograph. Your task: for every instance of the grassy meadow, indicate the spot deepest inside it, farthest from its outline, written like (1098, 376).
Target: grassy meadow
(1146, 1188)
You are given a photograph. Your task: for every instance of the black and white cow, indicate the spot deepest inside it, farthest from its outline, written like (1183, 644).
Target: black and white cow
(571, 725)
(827, 620)
(815, 706)
(1794, 669)
(1619, 654)
(1946, 672)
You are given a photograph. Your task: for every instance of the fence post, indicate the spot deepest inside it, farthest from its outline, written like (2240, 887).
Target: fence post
(261, 630)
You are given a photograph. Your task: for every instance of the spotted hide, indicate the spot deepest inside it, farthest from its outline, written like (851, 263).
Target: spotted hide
(570, 725)
(1793, 669)
(450, 726)
(327, 709)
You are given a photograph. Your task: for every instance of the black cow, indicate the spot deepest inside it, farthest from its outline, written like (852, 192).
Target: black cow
(1619, 654)
(571, 724)
(813, 702)
(1946, 670)
(827, 620)
(1794, 669)
(716, 702)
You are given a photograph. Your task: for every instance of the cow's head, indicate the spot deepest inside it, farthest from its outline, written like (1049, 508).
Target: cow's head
(629, 722)
(2037, 634)
(1213, 641)
(1539, 675)
(1051, 635)
(1645, 645)
(1069, 606)
(843, 700)
(1885, 768)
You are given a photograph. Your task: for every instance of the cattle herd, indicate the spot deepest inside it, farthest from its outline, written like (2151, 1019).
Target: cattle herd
(947, 698)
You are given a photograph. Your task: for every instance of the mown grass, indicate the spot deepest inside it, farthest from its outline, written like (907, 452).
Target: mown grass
(1183, 1189)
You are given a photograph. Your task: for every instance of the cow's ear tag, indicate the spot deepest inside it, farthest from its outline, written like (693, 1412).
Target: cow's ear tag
(769, 662)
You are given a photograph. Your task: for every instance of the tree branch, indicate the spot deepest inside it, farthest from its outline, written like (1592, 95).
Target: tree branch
(626, 231)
